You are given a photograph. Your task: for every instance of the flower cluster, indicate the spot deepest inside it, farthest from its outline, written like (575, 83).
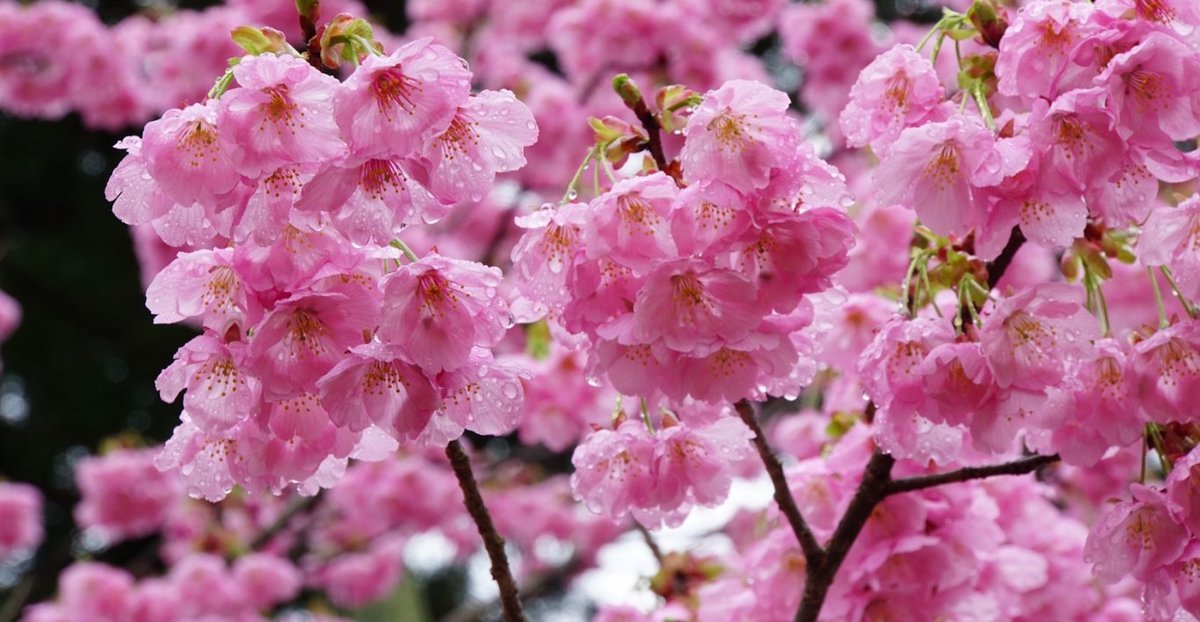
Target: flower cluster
(324, 337)
(698, 292)
(1092, 100)
(658, 477)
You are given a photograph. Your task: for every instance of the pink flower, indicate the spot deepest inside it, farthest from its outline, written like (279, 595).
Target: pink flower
(559, 403)
(708, 218)
(124, 495)
(483, 395)
(1037, 46)
(738, 134)
(371, 201)
(1102, 413)
(1152, 89)
(356, 579)
(266, 580)
(687, 305)
(614, 470)
(486, 136)
(1171, 237)
(221, 391)
(185, 155)
(890, 366)
(280, 114)
(20, 519)
(10, 317)
(1135, 537)
(547, 253)
(938, 169)
(437, 309)
(304, 336)
(391, 106)
(693, 462)
(94, 591)
(1030, 338)
(787, 257)
(1183, 491)
(203, 284)
(1164, 373)
(36, 78)
(202, 460)
(631, 224)
(376, 386)
(897, 90)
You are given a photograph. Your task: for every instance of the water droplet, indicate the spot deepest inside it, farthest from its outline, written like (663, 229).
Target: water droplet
(510, 391)
(572, 195)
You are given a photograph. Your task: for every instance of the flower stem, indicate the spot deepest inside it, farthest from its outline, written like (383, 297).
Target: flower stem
(1158, 300)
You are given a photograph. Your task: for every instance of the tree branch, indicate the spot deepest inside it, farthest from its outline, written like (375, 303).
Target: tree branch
(997, 267)
(510, 599)
(651, 543)
(542, 583)
(783, 494)
(820, 575)
(632, 96)
(1025, 465)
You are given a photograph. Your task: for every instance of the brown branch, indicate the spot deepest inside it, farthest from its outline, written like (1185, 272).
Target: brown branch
(997, 267)
(820, 575)
(783, 494)
(510, 599)
(632, 96)
(1025, 465)
(536, 585)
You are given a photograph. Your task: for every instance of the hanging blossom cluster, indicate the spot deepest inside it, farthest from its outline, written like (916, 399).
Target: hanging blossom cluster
(688, 292)
(324, 336)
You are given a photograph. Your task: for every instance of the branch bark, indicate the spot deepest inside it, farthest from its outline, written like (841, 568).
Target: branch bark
(997, 267)
(1017, 467)
(820, 575)
(510, 599)
(783, 493)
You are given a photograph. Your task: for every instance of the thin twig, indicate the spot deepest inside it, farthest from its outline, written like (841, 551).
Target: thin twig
(783, 493)
(650, 541)
(510, 599)
(1025, 465)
